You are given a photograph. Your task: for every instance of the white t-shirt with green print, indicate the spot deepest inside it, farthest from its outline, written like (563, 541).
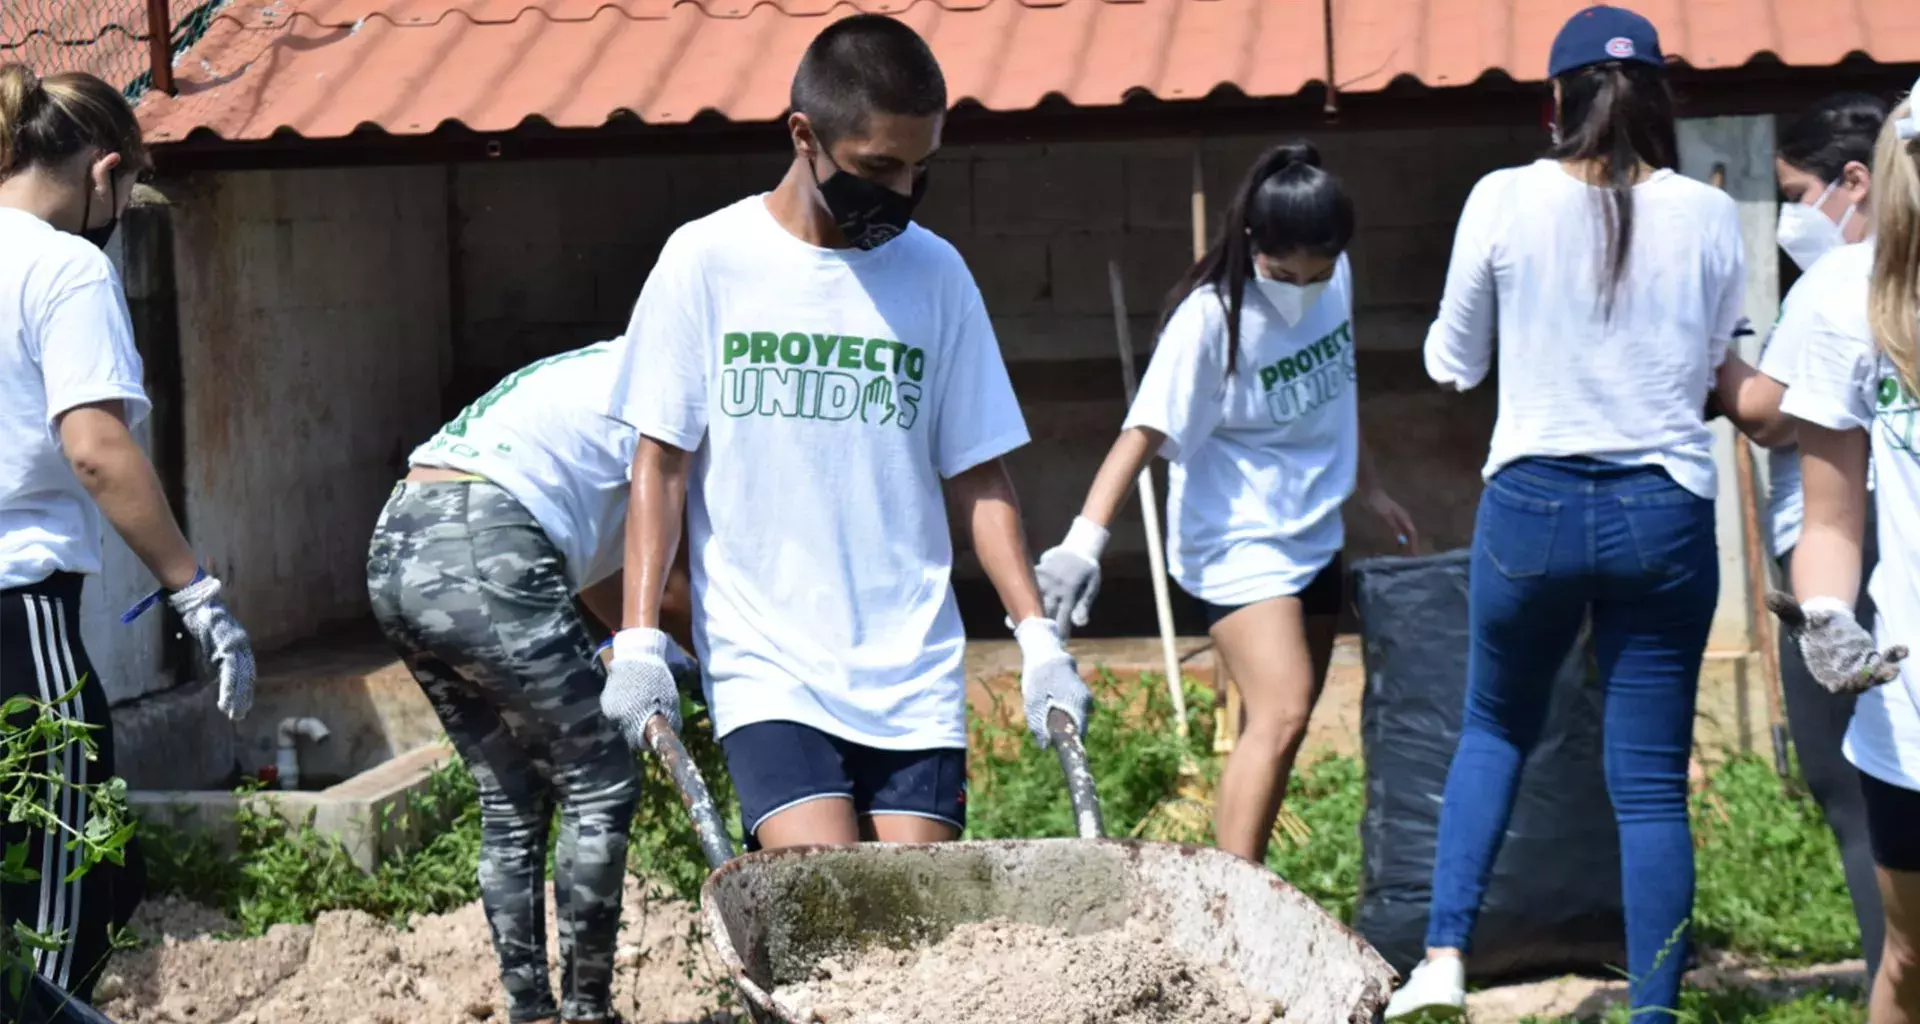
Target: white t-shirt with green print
(826, 394)
(1260, 463)
(1842, 382)
(541, 434)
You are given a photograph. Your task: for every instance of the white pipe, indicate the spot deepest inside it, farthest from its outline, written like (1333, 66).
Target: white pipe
(1150, 517)
(286, 757)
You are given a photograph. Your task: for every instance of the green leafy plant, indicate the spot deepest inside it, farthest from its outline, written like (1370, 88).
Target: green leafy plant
(286, 873)
(1769, 881)
(35, 738)
(1329, 794)
(1015, 789)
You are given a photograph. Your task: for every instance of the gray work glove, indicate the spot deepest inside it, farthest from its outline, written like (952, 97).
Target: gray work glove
(1049, 679)
(1839, 652)
(686, 671)
(640, 683)
(1069, 575)
(224, 648)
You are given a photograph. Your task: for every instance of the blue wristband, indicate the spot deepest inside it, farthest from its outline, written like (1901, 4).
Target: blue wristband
(140, 607)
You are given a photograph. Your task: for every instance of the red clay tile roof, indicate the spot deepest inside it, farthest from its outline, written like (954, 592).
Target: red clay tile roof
(1454, 42)
(324, 68)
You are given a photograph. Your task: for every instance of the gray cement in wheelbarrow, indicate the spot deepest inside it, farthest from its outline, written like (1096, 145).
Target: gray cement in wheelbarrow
(774, 915)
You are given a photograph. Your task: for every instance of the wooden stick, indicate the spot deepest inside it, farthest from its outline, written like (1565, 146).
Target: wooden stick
(1150, 517)
(1226, 719)
(1759, 624)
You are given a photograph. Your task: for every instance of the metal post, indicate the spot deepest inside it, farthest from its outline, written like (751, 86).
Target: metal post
(160, 45)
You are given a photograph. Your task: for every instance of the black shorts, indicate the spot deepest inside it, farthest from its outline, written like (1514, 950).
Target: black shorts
(1321, 596)
(1893, 823)
(776, 765)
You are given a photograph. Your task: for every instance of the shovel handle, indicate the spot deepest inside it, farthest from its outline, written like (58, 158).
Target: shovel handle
(715, 844)
(1073, 764)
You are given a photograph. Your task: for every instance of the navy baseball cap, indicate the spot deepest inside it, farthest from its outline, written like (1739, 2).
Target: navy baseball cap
(1601, 34)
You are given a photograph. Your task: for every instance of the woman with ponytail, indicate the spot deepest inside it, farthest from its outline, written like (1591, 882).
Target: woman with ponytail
(1856, 340)
(1250, 398)
(1614, 286)
(70, 388)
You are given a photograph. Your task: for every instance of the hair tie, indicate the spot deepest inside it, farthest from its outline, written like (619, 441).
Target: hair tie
(1908, 127)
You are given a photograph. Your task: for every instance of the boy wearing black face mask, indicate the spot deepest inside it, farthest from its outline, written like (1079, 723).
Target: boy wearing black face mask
(817, 377)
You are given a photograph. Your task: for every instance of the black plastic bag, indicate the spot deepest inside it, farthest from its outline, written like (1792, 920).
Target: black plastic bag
(1553, 903)
(43, 1002)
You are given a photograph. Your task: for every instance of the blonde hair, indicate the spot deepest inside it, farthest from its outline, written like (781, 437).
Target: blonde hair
(47, 121)
(1893, 306)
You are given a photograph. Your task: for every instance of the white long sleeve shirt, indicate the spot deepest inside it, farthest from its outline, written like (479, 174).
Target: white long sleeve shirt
(1630, 387)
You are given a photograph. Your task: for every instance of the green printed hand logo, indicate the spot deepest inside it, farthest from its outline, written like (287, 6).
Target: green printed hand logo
(879, 393)
(1896, 411)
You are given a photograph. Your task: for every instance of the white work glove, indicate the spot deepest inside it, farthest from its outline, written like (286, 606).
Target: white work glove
(640, 683)
(1839, 652)
(1049, 679)
(686, 671)
(1069, 575)
(224, 648)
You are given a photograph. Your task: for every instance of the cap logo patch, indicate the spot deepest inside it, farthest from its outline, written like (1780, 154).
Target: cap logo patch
(1620, 47)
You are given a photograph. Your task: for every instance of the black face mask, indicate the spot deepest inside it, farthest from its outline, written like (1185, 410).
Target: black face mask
(103, 234)
(868, 213)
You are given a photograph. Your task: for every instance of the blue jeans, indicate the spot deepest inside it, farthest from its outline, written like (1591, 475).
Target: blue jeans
(1556, 541)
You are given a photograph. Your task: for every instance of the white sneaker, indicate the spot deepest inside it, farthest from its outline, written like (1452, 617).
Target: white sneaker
(1436, 990)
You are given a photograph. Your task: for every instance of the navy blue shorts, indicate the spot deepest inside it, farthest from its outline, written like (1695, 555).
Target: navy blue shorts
(1893, 823)
(1321, 596)
(776, 765)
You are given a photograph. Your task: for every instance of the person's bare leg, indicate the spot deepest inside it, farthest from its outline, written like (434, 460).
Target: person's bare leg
(906, 828)
(1896, 988)
(1278, 659)
(828, 821)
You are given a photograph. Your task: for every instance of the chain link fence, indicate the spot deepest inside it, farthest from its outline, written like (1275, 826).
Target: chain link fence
(108, 38)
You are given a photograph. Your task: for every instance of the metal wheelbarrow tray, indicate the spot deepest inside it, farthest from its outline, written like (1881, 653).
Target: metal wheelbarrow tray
(774, 914)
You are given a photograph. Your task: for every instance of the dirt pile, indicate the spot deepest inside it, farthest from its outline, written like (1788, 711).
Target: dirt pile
(351, 968)
(1001, 971)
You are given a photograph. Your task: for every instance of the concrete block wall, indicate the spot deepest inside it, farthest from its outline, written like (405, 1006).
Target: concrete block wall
(314, 324)
(552, 254)
(128, 657)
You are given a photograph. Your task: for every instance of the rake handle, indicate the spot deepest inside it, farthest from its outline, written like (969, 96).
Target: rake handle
(715, 844)
(1150, 519)
(1073, 764)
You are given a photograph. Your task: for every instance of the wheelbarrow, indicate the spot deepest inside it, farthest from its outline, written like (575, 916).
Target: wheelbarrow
(773, 914)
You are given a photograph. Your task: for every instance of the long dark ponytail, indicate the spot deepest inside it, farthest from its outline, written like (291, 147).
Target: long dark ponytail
(1617, 116)
(1287, 203)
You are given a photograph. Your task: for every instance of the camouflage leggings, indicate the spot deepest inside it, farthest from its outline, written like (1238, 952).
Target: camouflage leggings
(468, 588)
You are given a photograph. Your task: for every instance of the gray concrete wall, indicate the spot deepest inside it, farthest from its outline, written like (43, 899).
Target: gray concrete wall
(1742, 147)
(314, 325)
(128, 657)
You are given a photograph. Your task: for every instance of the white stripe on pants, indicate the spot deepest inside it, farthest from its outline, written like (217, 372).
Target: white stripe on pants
(59, 899)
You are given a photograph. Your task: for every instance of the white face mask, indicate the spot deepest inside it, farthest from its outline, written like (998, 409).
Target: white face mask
(1292, 300)
(1807, 234)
